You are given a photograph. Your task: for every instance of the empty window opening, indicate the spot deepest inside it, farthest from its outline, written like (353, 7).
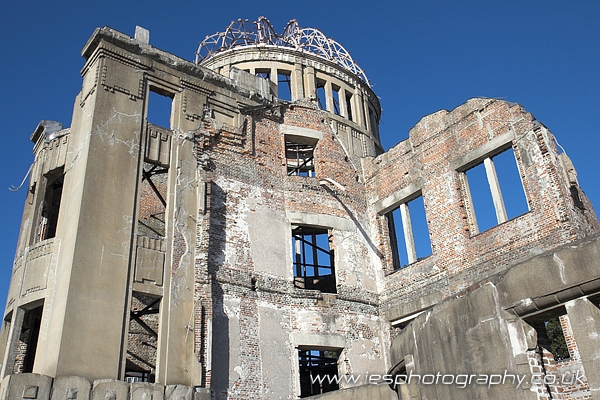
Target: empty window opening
(299, 155)
(153, 203)
(263, 73)
(318, 371)
(142, 338)
(349, 106)
(321, 95)
(313, 259)
(28, 339)
(551, 337)
(284, 85)
(159, 109)
(409, 233)
(336, 100)
(373, 122)
(50, 207)
(496, 191)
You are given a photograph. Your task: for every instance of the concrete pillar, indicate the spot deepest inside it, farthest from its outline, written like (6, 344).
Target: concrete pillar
(585, 322)
(297, 88)
(225, 70)
(492, 178)
(328, 97)
(342, 98)
(310, 83)
(366, 114)
(358, 108)
(411, 251)
(274, 76)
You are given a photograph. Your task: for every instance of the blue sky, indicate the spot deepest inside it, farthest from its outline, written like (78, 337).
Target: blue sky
(421, 56)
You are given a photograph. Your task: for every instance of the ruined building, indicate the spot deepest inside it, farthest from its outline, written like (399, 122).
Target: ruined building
(234, 227)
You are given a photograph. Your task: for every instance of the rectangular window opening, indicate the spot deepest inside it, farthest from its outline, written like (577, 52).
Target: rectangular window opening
(318, 371)
(48, 218)
(263, 73)
(496, 190)
(409, 233)
(349, 106)
(313, 259)
(284, 85)
(28, 339)
(373, 121)
(321, 96)
(142, 338)
(551, 336)
(160, 106)
(299, 155)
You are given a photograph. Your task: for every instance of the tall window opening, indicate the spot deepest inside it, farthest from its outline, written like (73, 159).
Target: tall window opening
(321, 95)
(28, 339)
(551, 336)
(486, 184)
(313, 259)
(284, 85)
(160, 106)
(349, 108)
(299, 155)
(48, 219)
(318, 371)
(373, 122)
(409, 233)
(142, 338)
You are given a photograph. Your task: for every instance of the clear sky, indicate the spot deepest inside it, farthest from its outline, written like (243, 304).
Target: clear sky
(421, 56)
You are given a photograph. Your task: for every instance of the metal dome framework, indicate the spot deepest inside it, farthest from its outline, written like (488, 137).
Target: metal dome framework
(244, 33)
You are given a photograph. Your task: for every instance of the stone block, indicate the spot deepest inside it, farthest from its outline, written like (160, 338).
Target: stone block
(179, 392)
(71, 388)
(110, 389)
(29, 386)
(146, 391)
(202, 394)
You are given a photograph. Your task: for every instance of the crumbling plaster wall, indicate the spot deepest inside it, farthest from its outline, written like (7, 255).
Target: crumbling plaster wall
(257, 313)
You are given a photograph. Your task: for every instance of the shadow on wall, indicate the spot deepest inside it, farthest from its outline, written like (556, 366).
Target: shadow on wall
(216, 257)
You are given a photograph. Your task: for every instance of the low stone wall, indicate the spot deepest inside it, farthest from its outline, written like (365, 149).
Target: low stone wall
(42, 387)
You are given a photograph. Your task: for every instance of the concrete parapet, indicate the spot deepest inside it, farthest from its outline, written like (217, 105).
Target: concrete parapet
(27, 386)
(42, 387)
(371, 392)
(110, 389)
(202, 393)
(179, 392)
(71, 388)
(146, 391)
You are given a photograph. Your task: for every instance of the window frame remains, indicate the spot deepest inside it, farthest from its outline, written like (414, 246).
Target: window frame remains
(300, 156)
(413, 252)
(494, 187)
(311, 258)
(313, 362)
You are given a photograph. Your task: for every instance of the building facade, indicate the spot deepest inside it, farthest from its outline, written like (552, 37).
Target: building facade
(234, 224)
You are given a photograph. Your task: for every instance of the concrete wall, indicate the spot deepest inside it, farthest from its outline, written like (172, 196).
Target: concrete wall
(486, 330)
(372, 392)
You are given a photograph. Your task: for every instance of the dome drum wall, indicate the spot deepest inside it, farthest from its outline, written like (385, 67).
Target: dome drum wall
(348, 99)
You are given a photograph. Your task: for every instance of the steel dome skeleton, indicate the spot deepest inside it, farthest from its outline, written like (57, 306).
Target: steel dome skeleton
(244, 33)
